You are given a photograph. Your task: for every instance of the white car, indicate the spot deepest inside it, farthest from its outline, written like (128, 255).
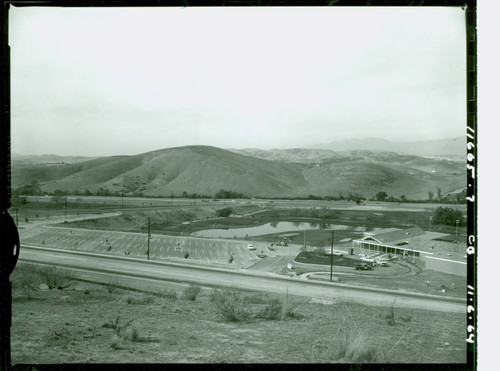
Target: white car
(368, 260)
(251, 247)
(335, 253)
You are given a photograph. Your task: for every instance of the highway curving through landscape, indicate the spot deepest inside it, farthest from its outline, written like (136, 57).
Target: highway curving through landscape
(155, 275)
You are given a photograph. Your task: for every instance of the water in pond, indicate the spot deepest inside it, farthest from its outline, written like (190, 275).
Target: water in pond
(270, 228)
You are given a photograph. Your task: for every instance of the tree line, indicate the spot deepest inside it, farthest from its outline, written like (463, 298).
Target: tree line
(34, 189)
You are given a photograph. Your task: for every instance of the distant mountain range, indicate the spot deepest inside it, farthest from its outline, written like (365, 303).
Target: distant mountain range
(48, 159)
(450, 147)
(276, 173)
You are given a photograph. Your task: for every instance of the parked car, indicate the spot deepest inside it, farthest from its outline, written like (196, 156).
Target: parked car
(368, 260)
(362, 266)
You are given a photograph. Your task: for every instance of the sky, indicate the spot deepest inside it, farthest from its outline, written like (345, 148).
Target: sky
(123, 81)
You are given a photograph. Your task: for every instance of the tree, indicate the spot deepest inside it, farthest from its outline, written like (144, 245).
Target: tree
(381, 196)
(403, 198)
(223, 194)
(224, 212)
(431, 196)
(439, 194)
(31, 189)
(447, 216)
(60, 197)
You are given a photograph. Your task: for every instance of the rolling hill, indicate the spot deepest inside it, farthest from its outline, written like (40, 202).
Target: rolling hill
(293, 173)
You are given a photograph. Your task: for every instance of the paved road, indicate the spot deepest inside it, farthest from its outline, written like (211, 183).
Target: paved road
(135, 272)
(335, 205)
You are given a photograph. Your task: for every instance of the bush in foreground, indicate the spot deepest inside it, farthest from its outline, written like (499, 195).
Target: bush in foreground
(354, 347)
(276, 309)
(33, 276)
(230, 305)
(191, 292)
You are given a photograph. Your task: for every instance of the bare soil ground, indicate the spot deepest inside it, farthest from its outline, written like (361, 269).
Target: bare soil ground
(57, 319)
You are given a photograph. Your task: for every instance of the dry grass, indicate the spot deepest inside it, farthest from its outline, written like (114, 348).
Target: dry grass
(224, 327)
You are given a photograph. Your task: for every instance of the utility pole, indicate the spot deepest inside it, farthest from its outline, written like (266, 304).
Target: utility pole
(430, 220)
(65, 206)
(456, 227)
(149, 233)
(331, 262)
(122, 199)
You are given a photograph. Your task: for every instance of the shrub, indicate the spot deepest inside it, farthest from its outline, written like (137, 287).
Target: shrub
(132, 334)
(406, 318)
(287, 310)
(115, 343)
(191, 292)
(169, 294)
(224, 212)
(117, 326)
(272, 310)
(31, 276)
(390, 317)
(355, 348)
(230, 305)
(111, 288)
(139, 299)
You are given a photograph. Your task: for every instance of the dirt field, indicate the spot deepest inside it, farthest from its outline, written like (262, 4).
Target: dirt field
(88, 323)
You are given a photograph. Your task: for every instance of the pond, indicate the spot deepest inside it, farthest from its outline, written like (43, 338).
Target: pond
(271, 228)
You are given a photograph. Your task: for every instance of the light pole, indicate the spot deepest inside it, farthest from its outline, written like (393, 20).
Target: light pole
(149, 234)
(331, 261)
(456, 227)
(430, 221)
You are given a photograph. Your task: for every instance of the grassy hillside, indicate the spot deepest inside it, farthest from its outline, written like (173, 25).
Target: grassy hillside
(206, 170)
(300, 155)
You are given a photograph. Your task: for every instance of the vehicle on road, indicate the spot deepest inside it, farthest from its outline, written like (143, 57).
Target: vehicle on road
(362, 266)
(251, 247)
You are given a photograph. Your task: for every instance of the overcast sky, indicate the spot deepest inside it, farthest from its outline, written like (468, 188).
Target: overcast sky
(106, 81)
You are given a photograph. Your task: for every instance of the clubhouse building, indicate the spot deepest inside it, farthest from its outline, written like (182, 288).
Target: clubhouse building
(439, 251)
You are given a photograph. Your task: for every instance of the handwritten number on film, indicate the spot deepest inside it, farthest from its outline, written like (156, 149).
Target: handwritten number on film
(470, 158)
(471, 239)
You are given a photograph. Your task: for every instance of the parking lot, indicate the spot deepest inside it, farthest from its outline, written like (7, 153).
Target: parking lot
(136, 245)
